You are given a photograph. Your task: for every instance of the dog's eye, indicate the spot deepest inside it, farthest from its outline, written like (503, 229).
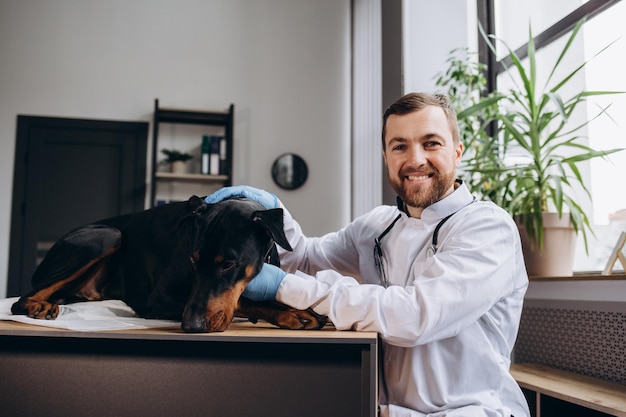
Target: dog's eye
(194, 261)
(227, 265)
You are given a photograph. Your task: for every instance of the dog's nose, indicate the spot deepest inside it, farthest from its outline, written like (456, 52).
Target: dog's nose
(196, 325)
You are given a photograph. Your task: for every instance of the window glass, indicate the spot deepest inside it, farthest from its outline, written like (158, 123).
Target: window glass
(607, 206)
(546, 59)
(605, 72)
(513, 17)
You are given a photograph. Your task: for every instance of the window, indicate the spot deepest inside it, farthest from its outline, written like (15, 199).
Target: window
(512, 18)
(607, 206)
(608, 199)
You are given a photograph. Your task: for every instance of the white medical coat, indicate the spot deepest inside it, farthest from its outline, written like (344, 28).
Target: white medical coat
(447, 322)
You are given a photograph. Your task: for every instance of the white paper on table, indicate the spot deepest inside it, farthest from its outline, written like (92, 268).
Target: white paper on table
(89, 316)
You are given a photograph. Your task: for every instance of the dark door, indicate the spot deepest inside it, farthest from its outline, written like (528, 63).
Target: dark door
(69, 172)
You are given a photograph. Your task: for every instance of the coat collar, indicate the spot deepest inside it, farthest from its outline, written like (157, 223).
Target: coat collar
(459, 198)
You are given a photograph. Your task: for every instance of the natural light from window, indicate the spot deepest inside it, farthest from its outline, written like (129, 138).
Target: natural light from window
(604, 178)
(605, 72)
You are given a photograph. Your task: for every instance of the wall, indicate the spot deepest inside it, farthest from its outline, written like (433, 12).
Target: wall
(431, 30)
(285, 64)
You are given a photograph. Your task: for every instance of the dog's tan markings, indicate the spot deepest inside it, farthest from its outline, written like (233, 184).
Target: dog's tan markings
(249, 272)
(88, 289)
(196, 256)
(221, 310)
(218, 259)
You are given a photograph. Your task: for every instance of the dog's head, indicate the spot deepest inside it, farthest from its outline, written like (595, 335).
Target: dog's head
(232, 240)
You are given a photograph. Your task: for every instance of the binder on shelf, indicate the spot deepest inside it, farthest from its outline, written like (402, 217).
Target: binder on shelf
(214, 156)
(223, 170)
(206, 151)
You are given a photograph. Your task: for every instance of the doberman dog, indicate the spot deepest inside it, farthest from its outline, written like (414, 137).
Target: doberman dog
(187, 261)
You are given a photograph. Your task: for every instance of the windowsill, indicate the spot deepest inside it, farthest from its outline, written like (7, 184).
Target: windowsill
(585, 276)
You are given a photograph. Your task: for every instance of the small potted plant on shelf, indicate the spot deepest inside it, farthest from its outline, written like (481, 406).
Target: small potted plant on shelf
(530, 164)
(177, 160)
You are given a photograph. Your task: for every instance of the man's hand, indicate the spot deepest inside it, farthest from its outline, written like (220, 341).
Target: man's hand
(265, 285)
(267, 199)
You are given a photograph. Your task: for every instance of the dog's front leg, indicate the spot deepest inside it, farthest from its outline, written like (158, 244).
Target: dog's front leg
(280, 315)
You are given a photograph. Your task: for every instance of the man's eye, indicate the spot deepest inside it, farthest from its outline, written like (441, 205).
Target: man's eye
(431, 144)
(399, 147)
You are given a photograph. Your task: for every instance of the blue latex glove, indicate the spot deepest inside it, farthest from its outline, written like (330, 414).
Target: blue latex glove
(267, 199)
(264, 286)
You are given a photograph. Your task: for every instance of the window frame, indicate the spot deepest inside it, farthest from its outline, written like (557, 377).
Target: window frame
(486, 17)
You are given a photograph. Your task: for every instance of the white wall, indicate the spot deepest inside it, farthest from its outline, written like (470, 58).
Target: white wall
(285, 64)
(431, 29)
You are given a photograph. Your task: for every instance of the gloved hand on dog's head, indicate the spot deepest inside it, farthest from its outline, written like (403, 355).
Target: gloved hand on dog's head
(267, 199)
(264, 286)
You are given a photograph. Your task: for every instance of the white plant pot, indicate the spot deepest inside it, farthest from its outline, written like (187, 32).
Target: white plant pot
(179, 167)
(556, 258)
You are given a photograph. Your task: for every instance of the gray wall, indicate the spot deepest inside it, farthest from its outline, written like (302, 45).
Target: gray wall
(284, 63)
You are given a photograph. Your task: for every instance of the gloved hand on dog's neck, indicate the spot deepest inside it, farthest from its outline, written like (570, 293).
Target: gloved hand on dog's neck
(264, 286)
(265, 198)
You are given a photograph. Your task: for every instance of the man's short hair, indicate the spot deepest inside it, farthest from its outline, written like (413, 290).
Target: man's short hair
(417, 101)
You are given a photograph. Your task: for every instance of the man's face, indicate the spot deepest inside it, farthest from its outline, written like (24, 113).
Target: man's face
(421, 157)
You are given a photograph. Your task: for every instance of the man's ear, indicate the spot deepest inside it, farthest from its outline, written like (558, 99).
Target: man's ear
(459, 154)
(272, 221)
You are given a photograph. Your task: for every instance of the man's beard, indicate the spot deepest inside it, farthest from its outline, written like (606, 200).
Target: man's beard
(422, 197)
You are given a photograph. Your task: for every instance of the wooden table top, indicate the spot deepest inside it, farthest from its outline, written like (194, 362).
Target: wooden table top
(241, 331)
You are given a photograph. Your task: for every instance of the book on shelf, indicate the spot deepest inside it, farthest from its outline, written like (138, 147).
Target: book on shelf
(214, 156)
(206, 152)
(223, 168)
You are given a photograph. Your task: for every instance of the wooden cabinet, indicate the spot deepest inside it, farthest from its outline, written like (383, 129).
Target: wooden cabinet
(247, 370)
(183, 130)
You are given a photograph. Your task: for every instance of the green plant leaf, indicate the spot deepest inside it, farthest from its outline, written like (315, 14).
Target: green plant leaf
(535, 124)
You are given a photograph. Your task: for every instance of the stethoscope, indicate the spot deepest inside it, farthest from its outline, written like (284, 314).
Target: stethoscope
(432, 250)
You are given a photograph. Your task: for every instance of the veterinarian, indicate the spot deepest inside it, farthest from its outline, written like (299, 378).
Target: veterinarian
(440, 276)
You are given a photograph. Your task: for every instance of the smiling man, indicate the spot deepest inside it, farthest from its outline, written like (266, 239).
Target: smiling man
(439, 276)
(422, 150)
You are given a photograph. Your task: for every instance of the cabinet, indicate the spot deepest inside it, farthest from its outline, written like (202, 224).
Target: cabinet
(183, 130)
(163, 372)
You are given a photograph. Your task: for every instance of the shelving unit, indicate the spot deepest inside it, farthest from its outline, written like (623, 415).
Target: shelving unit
(554, 392)
(221, 120)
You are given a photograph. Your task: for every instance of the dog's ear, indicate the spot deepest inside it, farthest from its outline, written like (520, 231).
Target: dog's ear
(200, 226)
(272, 221)
(198, 209)
(197, 205)
(195, 201)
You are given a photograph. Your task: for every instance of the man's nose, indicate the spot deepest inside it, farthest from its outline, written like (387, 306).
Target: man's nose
(417, 155)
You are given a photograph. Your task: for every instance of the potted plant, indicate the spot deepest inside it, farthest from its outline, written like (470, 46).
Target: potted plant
(537, 186)
(176, 159)
(465, 84)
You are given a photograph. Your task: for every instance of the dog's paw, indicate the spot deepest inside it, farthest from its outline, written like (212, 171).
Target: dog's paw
(280, 315)
(300, 320)
(41, 310)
